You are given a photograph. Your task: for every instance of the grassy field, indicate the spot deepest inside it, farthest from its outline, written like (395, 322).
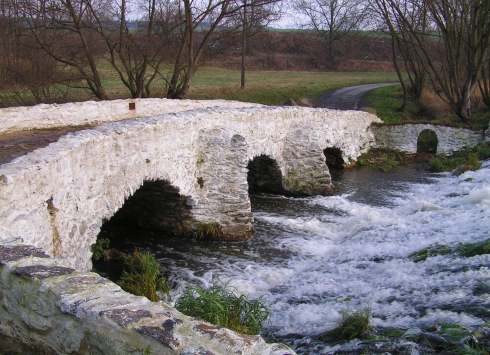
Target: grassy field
(275, 87)
(385, 102)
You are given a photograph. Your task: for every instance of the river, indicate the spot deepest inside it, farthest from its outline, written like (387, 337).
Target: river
(313, 258)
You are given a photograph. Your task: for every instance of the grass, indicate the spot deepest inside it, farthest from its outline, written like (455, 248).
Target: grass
(353, 325)
(381, 158)
(463, 249)
(264, 87)
(275, 87)
(219, 305)
(431, 251)
(208, 231)
(464, 160)
(142, 276)
(431, 109)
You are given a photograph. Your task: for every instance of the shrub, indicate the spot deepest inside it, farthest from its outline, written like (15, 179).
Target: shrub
(142, 276)
(99, 248)
(220, 306)
(464, 160)
(352, 325)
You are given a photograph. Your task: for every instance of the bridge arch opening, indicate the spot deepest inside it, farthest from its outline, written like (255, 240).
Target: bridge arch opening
(155, 211)
(427, 142)
(264, 175)
(333, 158)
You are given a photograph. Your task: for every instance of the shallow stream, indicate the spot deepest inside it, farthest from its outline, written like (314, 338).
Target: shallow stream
(313, 258)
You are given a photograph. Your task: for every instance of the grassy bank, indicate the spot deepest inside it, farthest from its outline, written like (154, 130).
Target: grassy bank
(385, 102)
(275, 87)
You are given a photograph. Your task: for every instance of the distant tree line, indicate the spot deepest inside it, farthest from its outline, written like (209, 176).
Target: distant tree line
(50, 46)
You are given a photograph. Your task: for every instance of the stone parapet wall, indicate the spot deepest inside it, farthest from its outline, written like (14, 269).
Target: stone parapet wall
(404, 137)
(44, 302)
(57, 197)
(40, 116)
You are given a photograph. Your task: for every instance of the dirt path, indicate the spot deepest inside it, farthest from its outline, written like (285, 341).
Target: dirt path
(348, 98)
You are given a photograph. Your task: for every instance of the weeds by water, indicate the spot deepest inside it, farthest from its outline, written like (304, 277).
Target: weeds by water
(463, 249)
(381, 158)
(219, 305)
(99, 248)
(464, 160)
(142, 276)
(208, 231)
(353, 325)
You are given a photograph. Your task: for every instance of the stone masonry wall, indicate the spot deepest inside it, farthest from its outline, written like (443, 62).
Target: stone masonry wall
(404, 137)
(14, 119)
(43, 301)
(56, 198)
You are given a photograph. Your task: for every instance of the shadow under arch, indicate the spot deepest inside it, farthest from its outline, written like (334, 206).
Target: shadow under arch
(264, 175)
(333, 158)
(156, 205)
(427, 142)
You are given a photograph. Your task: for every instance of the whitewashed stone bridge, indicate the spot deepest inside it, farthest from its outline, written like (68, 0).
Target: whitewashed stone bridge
(167, 171)
(58, 197)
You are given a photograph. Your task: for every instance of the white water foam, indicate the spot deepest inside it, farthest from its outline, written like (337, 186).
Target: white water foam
(359, 257)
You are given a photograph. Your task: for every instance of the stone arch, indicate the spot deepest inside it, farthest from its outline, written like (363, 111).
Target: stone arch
(156, 205)
(333, 158)
(264, 175)
(427, 141)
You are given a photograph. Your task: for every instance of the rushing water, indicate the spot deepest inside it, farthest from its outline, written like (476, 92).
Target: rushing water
(314, 257)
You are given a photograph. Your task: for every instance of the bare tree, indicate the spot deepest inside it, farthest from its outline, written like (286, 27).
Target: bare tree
(332, 19)
(200, 25)
(64, 29)
(484, 82)
(257, 15)
(135, 49)
(463, 38)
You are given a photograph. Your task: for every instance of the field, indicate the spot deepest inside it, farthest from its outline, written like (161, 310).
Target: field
(275, 87)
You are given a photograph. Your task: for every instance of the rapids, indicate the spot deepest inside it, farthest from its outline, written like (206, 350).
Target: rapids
(313, 258)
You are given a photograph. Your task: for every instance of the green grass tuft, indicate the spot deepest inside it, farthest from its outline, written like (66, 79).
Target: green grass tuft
(353, 325)
(431, 251)
(463, 249)
(473, 249)
(208, 231)
(220, 306)
(142, 276)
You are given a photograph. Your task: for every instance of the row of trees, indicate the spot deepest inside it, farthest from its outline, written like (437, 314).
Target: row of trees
(441, 42)
(69, 41)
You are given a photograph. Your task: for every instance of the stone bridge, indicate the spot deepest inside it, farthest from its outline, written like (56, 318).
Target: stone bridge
(404, 137)
(169, 171)
(180, 170)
